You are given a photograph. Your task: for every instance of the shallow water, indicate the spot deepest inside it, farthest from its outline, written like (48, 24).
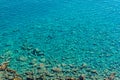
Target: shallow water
(66, 31)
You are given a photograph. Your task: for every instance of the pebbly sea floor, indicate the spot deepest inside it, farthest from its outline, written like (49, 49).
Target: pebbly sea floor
(60, 39)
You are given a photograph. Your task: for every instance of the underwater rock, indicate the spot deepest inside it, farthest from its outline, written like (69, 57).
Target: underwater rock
(111, 77)
(33, 62)
(11, 71)
(42, 60)
(42, 65)
(29, 73)
(71, 65)
(22, 58)
(88, 69)
(94, 71)
(93, 77)
(37, 52)
(26, 47)
(40, 78)
(17, 78)
(3, 66)
(29, 78)
(84, 65)
(63, 64)
(55, 69)
(74, 70)
(82, 77)
(50, 75)
(10, 77)
(70, 78)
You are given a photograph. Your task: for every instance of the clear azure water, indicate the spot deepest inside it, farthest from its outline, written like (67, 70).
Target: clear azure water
(68, 31)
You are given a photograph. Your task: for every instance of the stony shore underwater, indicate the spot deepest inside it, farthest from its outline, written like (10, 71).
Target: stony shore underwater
(59, 40)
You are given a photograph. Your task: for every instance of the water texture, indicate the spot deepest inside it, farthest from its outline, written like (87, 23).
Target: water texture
(64, 32)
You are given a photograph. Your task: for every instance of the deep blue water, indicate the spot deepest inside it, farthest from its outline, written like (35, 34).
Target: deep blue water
(68, 31)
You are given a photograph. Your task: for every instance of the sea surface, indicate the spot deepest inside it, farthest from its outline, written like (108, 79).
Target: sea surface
(61, 32)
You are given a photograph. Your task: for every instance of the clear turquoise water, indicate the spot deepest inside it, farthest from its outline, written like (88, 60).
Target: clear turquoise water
(81, 31)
